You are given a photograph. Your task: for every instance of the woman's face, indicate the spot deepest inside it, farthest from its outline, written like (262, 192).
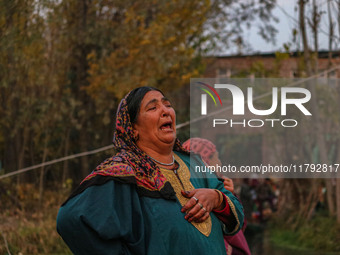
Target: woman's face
(156, 122)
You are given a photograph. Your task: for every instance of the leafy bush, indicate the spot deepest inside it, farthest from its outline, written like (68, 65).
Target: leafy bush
(322, 233)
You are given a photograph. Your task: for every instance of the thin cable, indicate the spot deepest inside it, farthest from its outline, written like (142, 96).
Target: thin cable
(23, 170)
(179, 126)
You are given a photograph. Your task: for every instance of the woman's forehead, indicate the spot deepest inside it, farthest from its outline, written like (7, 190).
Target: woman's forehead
(153, 97)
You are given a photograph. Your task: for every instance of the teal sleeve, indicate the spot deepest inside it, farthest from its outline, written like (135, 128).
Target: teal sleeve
(208, 180)
(235, 224)
(105, 219)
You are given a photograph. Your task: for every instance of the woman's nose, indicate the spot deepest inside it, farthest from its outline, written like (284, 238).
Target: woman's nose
(165, 111)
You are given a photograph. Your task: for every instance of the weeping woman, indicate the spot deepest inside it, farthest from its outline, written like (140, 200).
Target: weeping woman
(147, 199)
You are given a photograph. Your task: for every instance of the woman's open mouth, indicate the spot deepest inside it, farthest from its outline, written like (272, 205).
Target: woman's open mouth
(167, 126)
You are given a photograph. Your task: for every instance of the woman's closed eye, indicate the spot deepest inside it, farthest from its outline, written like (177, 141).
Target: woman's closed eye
(155, 107)
(167, 104)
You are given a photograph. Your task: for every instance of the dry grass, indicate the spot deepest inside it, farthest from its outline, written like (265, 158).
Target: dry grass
(31, 229)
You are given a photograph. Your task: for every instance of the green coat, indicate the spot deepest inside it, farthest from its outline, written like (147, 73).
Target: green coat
(113, 219)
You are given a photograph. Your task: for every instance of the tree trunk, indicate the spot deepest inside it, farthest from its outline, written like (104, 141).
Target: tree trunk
(314, 199)
(315, 27)
(321, 143)
(21, 146)
(41, 178)
(338, 18)
(65, 164)
(331, 34)
(302, 24)
(337, 188)
(338, 200)
(84, 160)
(330, 196)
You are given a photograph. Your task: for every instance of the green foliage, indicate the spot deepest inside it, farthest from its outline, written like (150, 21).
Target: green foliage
(320, 234)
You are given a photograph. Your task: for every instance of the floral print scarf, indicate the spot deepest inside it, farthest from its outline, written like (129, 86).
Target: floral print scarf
(130, 164)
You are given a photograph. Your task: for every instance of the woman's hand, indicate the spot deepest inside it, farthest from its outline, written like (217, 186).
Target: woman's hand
(228, 184)
(200, 204)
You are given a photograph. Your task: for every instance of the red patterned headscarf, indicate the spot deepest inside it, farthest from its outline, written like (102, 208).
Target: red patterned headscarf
(201, 146)
(130, 164)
